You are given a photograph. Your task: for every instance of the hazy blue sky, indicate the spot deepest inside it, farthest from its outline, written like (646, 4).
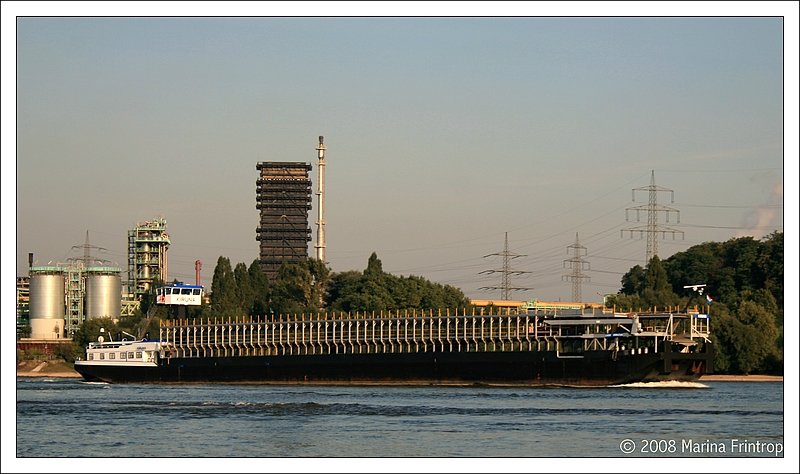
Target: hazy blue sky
(442, 135)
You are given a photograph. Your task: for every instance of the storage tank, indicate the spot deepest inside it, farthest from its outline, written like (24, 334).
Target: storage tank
(103, 292)
(47, 302)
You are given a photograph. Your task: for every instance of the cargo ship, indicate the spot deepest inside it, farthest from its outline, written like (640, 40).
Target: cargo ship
(525, 346)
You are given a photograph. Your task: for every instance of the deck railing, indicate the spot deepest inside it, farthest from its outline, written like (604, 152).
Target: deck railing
(387, 332)
(356, 333)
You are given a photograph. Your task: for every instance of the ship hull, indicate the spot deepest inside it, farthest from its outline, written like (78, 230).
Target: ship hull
(592, 368)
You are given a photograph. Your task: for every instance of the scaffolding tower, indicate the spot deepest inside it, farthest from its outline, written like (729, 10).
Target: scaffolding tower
(283, 198)
(148, 243)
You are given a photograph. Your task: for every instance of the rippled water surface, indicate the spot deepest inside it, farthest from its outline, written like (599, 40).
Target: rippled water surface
(71, 418)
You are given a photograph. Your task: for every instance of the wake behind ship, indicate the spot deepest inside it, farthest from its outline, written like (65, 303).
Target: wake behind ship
(590, 346)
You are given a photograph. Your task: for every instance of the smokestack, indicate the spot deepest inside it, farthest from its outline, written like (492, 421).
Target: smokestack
(198, 265)
(320, 200)
(30, 260)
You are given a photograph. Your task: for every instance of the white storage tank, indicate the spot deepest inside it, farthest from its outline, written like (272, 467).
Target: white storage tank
(47, 302)
(103, 292)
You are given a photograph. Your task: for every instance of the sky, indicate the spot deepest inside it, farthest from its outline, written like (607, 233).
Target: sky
(443, 133)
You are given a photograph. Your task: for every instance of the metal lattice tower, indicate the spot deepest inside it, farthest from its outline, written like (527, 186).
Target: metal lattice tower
(87, 256)
(577, 264)
(75, 284)
(505, 285)
(652, 229)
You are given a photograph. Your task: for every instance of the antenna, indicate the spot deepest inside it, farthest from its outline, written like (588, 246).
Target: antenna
(505, 285)
(577, 264)
(652, 229)
(321, 200)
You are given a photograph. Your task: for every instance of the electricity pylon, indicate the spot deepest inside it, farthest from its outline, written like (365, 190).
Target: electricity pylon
(652, 229)
(505, 284)
(577, 264)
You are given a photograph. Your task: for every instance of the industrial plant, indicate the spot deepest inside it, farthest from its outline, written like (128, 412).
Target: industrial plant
(54, 299)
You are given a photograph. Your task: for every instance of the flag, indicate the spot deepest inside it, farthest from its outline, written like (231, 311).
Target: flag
(708, 299)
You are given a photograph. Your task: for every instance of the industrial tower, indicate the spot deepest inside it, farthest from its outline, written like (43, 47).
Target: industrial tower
(652, 229)
(320, 201)
(148, 243)
(283, 198)
(577, 264)
(505, 284)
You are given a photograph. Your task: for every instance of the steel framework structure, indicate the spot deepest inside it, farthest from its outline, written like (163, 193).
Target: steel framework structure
(283, 198)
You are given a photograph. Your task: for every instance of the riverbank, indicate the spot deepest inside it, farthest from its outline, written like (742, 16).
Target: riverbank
(741, 378)
(47, 368)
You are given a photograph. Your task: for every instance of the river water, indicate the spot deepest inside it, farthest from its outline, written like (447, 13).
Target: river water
(64, 419)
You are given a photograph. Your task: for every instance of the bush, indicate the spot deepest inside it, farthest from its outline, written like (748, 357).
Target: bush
(34, 354)
(65, 352)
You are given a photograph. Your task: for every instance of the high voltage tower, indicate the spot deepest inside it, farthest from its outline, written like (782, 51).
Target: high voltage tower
(577, 264)
(652, 229)
(505, 285)
(87, 257)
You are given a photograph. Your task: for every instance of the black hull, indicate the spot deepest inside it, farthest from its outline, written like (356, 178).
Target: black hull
(595, 368)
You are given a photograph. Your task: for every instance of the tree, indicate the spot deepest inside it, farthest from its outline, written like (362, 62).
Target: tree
(374, 267)
(344, 291)
(89, 330)
(375, 290)
(745, 340)
(633, 281)
(292, 289)
(648, 287)
(244, 290)
(657, 291)
(224, 298)
(260, 287)
(320, 279)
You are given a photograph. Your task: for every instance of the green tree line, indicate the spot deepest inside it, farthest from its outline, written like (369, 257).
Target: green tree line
(309, 286)
(744, 279)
